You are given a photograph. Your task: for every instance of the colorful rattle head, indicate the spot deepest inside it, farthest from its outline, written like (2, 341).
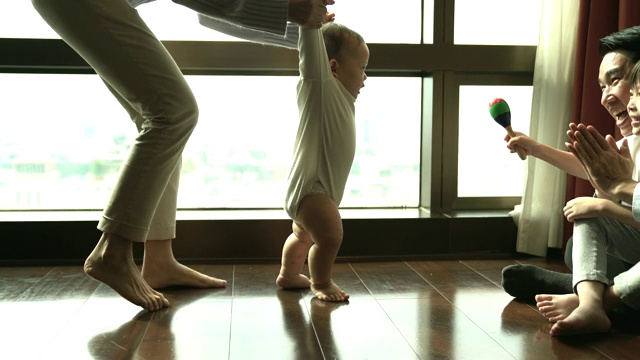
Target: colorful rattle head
(499, 110)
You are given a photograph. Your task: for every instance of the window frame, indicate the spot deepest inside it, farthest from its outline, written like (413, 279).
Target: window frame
(451, 126)
(447, 65)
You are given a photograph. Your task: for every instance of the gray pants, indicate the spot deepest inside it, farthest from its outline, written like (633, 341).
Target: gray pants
(593, 240)
(615, 265)
(113, 39)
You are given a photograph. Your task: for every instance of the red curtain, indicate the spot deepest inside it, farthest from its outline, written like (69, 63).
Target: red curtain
(597, 18)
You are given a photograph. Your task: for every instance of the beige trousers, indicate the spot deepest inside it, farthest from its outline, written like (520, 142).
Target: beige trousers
(113, 39)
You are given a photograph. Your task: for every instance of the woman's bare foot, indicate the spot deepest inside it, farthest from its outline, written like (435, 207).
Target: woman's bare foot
(329, 292)
(557, 307)
(583, 320)
(161, 269)
(175, 274)
(111, 262)
(298, 281)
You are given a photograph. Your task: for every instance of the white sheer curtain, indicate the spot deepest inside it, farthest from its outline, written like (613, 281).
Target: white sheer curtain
(540, 219)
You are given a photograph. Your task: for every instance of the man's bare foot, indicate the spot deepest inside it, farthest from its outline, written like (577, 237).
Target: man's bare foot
(298, 281)
(583, 320)
(172, 273)
(111, 262)
(557, 307)
(329, 292)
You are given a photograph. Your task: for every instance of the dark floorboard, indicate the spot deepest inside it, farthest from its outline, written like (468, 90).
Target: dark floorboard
(440, 309)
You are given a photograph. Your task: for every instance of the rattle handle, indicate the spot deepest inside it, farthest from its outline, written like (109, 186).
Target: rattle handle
(519, 150)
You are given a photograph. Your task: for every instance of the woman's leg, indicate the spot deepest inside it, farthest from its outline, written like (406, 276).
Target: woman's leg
(160, 269)
(117, 44)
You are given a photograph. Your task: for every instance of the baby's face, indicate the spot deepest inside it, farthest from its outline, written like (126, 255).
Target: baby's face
(350, 69)
(632, 108)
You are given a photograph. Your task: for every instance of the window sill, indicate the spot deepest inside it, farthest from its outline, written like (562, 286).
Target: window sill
(268, 214)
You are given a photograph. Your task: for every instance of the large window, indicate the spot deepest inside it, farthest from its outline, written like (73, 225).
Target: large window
(424, 133)
(497, 22)
(65, 151)
(485, 167)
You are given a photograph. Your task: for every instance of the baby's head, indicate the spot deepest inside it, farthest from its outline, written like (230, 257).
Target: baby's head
(348, 56)
(634, 99)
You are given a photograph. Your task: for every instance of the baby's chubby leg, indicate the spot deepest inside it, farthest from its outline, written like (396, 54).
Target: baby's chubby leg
(294, 253)
(320, 217)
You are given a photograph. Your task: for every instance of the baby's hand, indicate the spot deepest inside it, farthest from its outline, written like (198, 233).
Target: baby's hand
(328, 17)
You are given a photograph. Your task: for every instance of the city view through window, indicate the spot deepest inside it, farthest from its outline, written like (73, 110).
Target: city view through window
(64, 151)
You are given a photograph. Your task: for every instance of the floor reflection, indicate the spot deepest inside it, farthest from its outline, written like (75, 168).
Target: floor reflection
(460, 317)
(122, 342)
(129, 340)
(298, 326)
(321, 319)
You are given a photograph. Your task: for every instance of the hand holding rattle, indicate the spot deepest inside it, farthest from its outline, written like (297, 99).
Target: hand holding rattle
(500, 112)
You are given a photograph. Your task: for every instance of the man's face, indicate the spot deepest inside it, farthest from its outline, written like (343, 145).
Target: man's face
(614, 82)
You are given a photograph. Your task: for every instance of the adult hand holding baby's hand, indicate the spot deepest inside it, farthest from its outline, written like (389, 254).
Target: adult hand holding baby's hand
(310, 13)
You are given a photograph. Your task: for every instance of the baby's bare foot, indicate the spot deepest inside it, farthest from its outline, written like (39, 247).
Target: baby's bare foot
(557, 307)
(298, 281)
(583, 320)
(329, 292)
(118, 271)
(173, 273)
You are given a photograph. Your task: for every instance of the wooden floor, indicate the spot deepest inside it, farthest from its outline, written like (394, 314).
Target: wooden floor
(398, 310)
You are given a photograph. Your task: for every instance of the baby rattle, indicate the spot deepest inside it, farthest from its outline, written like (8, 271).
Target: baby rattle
(500, 112)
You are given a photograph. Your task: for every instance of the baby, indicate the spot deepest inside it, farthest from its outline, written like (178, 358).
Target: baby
(332, 72)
